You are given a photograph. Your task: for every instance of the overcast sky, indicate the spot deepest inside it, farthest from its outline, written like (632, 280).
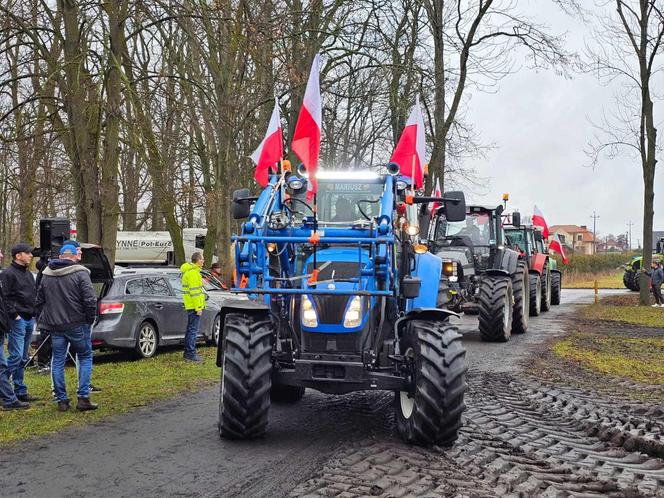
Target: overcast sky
(540, 125)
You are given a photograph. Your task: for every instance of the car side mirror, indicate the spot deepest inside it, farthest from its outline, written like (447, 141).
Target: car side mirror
(455, 205)
(516, 219)
(241, 204)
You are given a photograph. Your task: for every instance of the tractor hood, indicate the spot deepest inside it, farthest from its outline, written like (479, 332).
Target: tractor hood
(461, 254)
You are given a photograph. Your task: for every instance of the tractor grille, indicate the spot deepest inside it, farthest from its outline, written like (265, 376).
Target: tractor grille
(330, 308)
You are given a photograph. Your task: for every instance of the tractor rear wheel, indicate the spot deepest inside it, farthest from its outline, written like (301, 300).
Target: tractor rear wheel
(556, 288)
(636, 281)
(431, 413)
(627, 279)
(286, 394)
(246, 376)
(496, 302)
(521, 310)
(546, 291)
(535, 294)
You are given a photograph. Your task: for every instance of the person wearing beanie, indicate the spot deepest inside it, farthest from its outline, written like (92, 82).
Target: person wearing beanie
(20, 292)
(67, 308)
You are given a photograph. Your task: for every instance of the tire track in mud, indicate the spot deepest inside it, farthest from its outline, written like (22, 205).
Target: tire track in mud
(520, 438)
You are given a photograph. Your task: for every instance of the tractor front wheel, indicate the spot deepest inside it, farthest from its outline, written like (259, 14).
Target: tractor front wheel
(556, 288)
(431, 412)
(246, 376)
(496, 303)
(535, 294)
(546, 291)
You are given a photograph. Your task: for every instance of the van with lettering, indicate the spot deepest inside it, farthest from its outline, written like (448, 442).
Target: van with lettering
(156, 248)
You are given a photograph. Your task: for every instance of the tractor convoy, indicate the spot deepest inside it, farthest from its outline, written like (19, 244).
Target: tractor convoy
(341, 297)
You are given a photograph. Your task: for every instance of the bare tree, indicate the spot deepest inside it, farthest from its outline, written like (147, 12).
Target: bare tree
(627, 49)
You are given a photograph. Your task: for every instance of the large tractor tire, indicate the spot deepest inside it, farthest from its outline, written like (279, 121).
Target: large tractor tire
(496, 303)
(521, 293)
(556, 288)
(636, 281)
(286, 394)
(431, 413)
(535, 294)
(627, 279)
(246, 376)
(546, 291)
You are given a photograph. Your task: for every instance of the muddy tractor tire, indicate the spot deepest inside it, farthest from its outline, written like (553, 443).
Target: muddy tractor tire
(546, 291)
(556, 288)
(521, 310)
(535, 294)
(246, 376)
(496, 303)
(286, 394)
(431, 413)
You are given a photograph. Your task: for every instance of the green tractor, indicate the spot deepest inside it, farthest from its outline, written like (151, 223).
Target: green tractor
(633, 267)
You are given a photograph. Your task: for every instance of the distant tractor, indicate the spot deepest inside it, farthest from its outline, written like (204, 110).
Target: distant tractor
(342, 298)
(545, 278)
(633, 267)
(481, 275)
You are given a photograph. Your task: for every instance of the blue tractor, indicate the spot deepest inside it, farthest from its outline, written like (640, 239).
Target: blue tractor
(341, 299)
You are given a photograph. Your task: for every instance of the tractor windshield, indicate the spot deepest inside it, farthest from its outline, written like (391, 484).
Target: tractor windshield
(476, 227)
(516, 239)
(344, 202)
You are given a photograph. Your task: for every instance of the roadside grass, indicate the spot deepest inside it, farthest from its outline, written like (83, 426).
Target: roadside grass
(126, 384)
(605, 280)
(638, 359)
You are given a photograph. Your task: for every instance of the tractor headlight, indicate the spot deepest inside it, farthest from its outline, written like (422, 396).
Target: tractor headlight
(412, 230)
(353, 316)
(296, 184)
(309, 317)
(448, 268)
(401, 185)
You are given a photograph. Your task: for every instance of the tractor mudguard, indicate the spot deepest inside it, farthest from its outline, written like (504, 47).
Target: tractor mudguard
(422, 314)
(428, 268)
(497, 272)
(539, 263)
(509, 261)
(238, 306)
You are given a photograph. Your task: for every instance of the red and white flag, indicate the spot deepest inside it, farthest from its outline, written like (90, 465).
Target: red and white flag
(437, 192)
(556, 246)
(306, 138)
(271, 150)
(539, 221)
(410, 150)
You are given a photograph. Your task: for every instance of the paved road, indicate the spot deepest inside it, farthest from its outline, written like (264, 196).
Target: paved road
(323, 445)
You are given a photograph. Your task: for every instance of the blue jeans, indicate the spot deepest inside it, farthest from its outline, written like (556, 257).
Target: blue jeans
(20, 335)
(78, 341)
(193, 324)
(7, 396)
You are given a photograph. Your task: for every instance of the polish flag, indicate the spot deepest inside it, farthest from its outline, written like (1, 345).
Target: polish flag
(271, 150)
(556, 246)
(306, 138)
(437, 192)
(539, 221)
(409, 152)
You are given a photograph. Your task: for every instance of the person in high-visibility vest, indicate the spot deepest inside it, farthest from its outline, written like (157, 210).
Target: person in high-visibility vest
(194, 302)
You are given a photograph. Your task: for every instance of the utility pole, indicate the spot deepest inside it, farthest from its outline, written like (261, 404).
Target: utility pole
(595, 217)
(629, 239)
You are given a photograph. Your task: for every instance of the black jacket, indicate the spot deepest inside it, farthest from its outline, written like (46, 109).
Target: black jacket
(20, 291)
(66, 298)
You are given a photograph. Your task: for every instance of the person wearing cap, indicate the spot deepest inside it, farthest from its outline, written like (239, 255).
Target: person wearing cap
(215, 276)
(7, 396)
(67, 307)
(20, 291)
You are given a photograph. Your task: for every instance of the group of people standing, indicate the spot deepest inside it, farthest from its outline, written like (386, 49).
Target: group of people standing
(63, 299)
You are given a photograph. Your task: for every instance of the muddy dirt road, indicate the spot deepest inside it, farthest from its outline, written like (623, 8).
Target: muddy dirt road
(521, 436)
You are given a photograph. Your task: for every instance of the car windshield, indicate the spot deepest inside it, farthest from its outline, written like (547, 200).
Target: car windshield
(343, 201)
(476, 227)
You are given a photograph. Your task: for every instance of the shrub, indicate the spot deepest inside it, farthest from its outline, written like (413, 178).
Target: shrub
(595, 263)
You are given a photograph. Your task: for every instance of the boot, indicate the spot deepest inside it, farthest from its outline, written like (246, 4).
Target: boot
(84, 405)
(63, 406)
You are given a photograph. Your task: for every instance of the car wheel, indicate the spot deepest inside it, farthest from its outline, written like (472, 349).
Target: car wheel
(147, 340)
(213, 340)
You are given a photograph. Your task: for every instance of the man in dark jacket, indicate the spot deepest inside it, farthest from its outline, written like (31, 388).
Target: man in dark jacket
(656, 280)
(20, 291)
(7, 396)
(67, 306)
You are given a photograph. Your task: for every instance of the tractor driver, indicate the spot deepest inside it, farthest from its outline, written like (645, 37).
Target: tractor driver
(344, 210)
(471, 230)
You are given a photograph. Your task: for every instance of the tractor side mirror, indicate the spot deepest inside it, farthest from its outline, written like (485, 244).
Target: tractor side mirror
(241, 205)
(516, 219)
(455, 205)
